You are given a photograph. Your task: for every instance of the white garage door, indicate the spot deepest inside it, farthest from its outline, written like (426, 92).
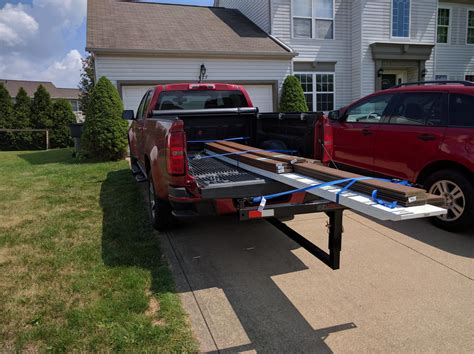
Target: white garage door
(132, 96)
(261, 96)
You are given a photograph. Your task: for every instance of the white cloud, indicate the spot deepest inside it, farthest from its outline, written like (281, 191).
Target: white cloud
(33, 41)
(16, 26)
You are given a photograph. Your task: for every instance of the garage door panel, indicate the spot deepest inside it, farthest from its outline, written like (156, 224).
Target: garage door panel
(132, 96)
(261, 96)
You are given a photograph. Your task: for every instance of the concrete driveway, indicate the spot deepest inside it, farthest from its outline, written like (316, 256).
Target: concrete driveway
(401, 287)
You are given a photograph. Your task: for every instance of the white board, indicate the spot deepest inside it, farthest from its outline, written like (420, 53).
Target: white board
(353, 200)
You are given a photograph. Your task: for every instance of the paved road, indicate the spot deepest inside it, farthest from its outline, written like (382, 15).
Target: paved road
(402, 287)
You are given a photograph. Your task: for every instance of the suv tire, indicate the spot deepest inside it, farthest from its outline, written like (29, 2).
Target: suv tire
(458, 190)
(160, 211)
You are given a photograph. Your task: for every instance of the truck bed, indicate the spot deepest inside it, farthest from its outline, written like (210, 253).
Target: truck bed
(217, 179)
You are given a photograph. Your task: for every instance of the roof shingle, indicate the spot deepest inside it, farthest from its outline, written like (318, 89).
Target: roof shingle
(138, 27)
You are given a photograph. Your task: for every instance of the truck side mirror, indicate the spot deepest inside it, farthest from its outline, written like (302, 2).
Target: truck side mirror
(128, 114)
(334, 115)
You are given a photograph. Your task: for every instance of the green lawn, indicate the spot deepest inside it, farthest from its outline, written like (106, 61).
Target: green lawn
(80, 268)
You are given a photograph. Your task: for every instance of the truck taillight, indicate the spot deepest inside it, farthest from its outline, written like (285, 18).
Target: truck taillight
(176, 159)
(328, 142)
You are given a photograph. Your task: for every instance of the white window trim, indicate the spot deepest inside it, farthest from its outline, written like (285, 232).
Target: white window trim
(449, 27)
(313, 27)
(315, 93)
(409, 22)
(469, 9)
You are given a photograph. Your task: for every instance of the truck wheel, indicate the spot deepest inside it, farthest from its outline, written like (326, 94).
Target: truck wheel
(458, 192)
(160, 210)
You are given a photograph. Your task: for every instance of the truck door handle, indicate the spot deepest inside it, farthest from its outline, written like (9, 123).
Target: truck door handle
(366, 132)
(426, 137)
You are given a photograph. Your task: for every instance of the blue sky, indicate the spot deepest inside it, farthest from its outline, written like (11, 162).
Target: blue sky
(45, 39)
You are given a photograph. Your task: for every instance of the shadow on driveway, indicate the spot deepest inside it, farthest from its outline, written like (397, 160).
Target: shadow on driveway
(230, 266)
(458, 243)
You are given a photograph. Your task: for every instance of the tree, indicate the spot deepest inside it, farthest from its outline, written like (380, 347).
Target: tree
(22, 120)
(41, 109)
(62, 117)
(292, 97)
(87, 82)
(105, 132)
(6, 118)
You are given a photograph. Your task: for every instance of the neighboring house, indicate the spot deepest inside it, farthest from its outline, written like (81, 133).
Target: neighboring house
(138, 45)
(70, 94)
(349, 48)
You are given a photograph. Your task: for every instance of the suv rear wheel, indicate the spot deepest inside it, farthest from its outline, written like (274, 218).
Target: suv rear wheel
(458, 192)
(160, 210)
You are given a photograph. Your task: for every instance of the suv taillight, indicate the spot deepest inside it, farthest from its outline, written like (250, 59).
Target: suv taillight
(176, 159)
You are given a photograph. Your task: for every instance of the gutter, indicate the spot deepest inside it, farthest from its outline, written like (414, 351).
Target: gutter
(282, 44)
(192, 54)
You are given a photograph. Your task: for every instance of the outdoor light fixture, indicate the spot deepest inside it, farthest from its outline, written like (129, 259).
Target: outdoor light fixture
(202, 73)
(380, 72)
(423, 73)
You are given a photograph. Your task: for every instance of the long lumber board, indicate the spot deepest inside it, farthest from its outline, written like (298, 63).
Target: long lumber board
(349, 199)
(267, 164)
(264, 154)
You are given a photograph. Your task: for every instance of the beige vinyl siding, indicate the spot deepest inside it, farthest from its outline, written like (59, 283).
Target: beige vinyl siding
(376, 20)
(455, 59)
(337, 49)
(256, 10)
(187, 69)
(356, 49)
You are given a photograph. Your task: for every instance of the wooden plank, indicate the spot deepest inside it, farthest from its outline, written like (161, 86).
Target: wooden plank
(350, 199)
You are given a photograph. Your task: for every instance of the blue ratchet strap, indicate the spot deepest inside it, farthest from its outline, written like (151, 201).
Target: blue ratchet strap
(242, 153)
(215, 141)
(351, 181)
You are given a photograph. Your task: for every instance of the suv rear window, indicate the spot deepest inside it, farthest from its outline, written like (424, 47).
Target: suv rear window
(461, 110)
(202, 99)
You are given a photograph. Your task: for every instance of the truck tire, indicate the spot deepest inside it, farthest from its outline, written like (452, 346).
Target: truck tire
(458, 190)
(160, 210)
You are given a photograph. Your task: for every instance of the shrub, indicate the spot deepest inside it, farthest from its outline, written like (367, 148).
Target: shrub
(62, 117)
(292, 97)
(105, 132)
(42, 109)
(87, 82)
(6, 118)
(22, 115)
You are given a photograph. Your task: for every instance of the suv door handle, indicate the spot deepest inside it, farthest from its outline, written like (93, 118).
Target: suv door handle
(426, 137)
(366, 132)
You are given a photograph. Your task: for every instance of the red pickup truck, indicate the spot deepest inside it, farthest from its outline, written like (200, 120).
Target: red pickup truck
(170, 129)
(420, 132)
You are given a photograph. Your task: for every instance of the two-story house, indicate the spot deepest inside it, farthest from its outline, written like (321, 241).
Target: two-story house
(349, 48)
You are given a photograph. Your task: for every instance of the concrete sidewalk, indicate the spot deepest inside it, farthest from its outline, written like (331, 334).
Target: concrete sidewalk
(404, 287)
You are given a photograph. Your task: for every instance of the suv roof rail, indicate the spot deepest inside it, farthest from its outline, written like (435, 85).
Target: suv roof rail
(440, 82)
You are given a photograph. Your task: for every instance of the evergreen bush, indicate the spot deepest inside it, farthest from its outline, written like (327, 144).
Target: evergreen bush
(292, 97)
(6, 118)
(22, 120)
(62, 117)
(105, 132)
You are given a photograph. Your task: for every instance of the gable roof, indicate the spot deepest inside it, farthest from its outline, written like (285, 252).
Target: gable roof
(119, 26)
(30, 87)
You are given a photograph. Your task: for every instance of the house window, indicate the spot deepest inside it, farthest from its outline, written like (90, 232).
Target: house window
(401, 18)
(469, 78)
(318, 90)
(313, 19)
(441, 77)
(443, 26)
(470, 27)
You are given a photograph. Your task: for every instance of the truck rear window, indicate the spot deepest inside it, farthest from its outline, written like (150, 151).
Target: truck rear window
(202, 99)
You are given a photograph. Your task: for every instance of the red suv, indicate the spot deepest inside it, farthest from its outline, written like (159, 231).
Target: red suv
(420, 132)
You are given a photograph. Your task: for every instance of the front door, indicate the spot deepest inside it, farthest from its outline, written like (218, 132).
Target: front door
(353, 135)
(410, 137)
(388, 80)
